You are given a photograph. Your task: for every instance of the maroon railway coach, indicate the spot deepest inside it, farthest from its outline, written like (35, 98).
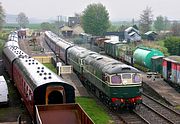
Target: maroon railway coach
(36, 84)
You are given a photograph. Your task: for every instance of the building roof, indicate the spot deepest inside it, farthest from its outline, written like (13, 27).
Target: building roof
(66, 28)
(150, 33)
(77, 29)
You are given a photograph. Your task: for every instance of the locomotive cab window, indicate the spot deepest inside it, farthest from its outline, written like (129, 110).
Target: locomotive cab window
(126, 76)
(136, 78)
(106, 78)
(116, 80)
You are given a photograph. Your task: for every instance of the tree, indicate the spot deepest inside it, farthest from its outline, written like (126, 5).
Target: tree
(22, 20)
(2, 16)
(159, 23)
(123, 27)
(175, 28)
(95, 19)
(46, 26)
(146, 20)
(167, 23)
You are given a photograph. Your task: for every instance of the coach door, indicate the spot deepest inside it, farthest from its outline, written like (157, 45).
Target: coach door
(55, 95)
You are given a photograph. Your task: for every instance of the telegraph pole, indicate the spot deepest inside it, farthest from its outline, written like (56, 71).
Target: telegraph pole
(58, 25)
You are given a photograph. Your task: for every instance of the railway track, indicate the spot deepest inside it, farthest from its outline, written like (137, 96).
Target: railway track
(157, 112)
(122, 116)
(132, 118)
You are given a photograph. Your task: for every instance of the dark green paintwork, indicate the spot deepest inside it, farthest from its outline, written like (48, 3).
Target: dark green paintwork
(116, 91)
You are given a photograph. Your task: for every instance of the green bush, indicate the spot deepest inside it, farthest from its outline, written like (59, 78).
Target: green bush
(78, 41)
(173, 45)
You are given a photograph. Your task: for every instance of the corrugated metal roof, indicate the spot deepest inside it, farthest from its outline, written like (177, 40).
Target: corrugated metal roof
(175, 59)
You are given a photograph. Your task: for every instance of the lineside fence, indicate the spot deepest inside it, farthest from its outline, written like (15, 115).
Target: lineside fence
(61, 69)
(43, 59)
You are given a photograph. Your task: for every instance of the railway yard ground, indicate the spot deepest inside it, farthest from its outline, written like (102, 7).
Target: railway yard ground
(9, 113)
(155, 87)
(163, 89)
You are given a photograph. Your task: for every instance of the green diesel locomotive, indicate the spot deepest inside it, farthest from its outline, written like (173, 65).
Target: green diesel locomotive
(113, 82)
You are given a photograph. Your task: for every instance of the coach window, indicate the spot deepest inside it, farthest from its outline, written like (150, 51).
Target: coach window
(30, 95)
(24, 86)
(26, 91)
(22, 81)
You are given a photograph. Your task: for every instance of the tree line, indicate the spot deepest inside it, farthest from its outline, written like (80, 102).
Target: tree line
(95, 21)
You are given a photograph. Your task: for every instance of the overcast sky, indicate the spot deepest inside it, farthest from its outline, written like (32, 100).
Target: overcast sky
(118, 9)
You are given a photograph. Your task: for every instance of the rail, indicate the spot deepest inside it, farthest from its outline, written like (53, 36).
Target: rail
(162, 116)
(161, 109)
(132, 117)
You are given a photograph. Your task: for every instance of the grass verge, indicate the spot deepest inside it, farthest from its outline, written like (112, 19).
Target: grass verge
(95, 112)
(50, 66)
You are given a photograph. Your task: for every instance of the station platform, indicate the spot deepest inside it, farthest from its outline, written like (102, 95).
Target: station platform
(74, 81)
(163, 89)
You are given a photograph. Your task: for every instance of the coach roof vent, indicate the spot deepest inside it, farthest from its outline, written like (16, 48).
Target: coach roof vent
(99, 58)
(113, 66)
(126, 68)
